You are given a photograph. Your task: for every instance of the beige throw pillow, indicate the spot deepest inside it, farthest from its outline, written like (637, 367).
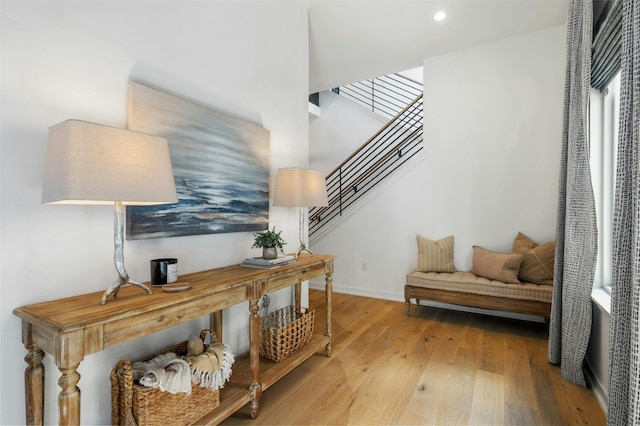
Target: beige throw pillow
(435, 256)
(537, 260)
(496, 266)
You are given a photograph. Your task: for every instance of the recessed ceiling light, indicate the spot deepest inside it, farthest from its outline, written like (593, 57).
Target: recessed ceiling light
(439, 16)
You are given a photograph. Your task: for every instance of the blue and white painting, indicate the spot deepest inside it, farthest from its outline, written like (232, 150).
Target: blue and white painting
(220, 164)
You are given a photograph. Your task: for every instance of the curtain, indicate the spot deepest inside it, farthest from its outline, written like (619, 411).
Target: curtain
(576, 233)
(606, 48)
(624, 350)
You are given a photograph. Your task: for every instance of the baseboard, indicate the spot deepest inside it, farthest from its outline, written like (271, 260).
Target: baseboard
(596, 387)
(355, 291)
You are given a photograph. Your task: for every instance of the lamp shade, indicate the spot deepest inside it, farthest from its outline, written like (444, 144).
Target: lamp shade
(297, 187)
(90, 163)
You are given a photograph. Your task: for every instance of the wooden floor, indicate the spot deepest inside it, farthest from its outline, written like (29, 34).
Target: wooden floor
(437, 367)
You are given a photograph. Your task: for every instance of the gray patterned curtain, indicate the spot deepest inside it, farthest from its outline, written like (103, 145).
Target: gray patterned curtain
(605, 62)
(624, 351)
(576, 233)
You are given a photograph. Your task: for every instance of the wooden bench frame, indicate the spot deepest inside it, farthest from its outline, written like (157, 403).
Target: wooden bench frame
(529, 307)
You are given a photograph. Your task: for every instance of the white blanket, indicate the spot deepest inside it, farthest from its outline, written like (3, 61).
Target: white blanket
(166, 372)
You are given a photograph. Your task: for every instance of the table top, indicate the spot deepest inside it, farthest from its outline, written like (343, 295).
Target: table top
(83, 311)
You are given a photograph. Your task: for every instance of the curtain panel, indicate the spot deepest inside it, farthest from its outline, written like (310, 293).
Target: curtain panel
(605, 61)
(624, 350)
(576, 233)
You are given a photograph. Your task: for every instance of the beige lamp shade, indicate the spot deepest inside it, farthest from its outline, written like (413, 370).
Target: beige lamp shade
(297, 187)
(90, 163)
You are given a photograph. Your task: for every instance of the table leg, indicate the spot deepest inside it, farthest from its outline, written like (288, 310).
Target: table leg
(33, 378)
(328, 293)
(254, 405)
(215, 324)
(254, 356)
(69, 354)
(69, 398)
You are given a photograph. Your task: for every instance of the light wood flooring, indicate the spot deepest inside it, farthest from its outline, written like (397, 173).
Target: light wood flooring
(437, 367)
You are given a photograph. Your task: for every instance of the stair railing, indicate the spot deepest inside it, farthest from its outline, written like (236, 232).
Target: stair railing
(386, 95)
(393, 145)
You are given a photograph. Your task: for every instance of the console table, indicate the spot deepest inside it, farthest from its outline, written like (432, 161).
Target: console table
(71, 328)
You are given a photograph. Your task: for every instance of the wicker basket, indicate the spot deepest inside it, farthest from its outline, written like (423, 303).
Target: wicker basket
(133, 404)
(285, 331)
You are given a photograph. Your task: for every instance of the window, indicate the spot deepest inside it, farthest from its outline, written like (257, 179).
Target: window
(604, 115)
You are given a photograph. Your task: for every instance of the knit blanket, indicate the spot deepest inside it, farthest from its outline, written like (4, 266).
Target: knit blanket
(211, 368)
(167, 372)
(208, 366)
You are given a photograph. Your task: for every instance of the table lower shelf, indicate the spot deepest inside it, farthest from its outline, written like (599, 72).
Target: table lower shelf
(236, 393)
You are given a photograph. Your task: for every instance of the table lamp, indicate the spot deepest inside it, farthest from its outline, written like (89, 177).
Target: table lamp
(90, 163)
(297, 187)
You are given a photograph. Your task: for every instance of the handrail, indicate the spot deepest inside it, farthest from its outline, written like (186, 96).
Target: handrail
(393, 151)
(378, 133)
(395, 143)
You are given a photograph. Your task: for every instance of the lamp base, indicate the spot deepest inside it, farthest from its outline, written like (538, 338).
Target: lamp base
(115, 287)
(118, 256)
(301, 249)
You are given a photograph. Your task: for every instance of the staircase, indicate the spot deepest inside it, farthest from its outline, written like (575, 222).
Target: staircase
(385, 96)
(388, 149)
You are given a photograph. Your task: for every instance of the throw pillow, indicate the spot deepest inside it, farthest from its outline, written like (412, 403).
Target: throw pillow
(496, 266)
(537, 260)
(435, 256)
(522, 243)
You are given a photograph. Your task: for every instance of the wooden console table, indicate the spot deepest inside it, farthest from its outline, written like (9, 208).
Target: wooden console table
(71, 328)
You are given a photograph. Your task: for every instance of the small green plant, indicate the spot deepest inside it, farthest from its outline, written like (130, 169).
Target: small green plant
(267, 239)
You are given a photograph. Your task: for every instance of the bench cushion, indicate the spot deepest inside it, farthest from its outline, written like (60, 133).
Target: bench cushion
(467, 282)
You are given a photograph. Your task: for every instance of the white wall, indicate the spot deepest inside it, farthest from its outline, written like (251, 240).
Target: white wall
(67, 59)
(416, 74)
(337, 125)
(492, 129)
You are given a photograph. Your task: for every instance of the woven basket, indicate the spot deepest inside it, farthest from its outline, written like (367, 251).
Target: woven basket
(285, 331)
(133, 404)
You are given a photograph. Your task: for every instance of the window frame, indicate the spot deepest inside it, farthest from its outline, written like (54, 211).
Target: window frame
(603, 133)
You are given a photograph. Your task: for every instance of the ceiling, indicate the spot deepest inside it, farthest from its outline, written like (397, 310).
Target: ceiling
(352, 40)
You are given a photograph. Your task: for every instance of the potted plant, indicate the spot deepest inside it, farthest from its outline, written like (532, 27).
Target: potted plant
(270, 242)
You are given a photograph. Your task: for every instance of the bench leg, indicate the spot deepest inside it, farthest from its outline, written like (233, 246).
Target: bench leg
(407, 298)
(407, 301)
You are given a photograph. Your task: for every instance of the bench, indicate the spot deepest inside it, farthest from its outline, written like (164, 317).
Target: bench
(519, 282)
(468, 289)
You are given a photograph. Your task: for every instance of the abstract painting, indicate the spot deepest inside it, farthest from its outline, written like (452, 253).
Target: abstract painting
(220, 165)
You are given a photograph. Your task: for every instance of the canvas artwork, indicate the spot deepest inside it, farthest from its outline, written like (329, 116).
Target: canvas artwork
(220, 164)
